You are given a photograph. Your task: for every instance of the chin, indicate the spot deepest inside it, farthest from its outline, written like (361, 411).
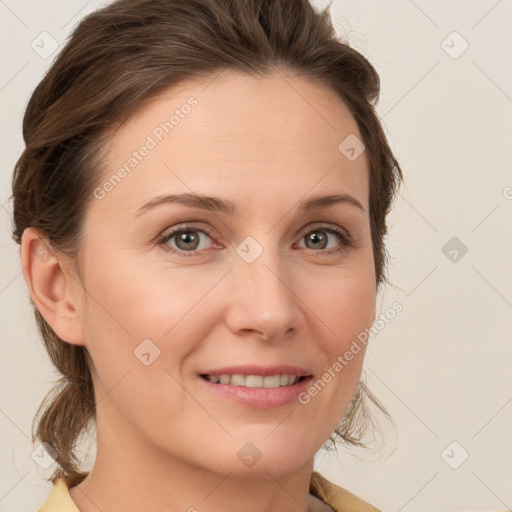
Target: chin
(259, 456)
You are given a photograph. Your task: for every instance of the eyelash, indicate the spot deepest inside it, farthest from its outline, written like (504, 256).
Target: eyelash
(346, 239)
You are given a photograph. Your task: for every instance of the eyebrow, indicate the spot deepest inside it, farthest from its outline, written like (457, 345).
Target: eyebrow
(216, 204)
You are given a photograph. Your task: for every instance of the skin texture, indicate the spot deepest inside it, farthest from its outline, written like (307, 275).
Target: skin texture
(166, 442)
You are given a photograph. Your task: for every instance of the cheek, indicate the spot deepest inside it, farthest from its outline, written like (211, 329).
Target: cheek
(136, 335)
(346, 310)
(347, 306)
(128, 304)
(356, 309)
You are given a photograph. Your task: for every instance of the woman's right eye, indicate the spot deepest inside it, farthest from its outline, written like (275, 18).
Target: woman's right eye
(187, 239)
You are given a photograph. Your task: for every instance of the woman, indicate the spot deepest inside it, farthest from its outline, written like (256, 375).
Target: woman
(201, 210)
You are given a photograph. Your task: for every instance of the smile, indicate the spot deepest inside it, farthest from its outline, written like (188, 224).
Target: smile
(255, 381)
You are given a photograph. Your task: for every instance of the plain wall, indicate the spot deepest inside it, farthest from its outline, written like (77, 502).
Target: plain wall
(442, 365)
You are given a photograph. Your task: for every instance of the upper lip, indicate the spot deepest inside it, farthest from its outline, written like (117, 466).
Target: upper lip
(259, 370)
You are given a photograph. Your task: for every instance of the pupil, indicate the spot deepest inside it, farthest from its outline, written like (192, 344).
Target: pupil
(187, 238)
(315, 238)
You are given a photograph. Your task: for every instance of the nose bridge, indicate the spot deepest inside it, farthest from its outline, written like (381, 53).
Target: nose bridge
(263, 297)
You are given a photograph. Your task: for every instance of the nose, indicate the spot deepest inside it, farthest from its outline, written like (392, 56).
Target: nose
(262, 300)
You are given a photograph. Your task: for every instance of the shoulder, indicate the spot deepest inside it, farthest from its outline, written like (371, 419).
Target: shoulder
(338, 498)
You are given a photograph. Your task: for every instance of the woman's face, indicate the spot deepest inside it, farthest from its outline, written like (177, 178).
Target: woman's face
(263, 282)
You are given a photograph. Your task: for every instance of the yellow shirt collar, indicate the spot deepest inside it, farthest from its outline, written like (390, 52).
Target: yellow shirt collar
(60, 500)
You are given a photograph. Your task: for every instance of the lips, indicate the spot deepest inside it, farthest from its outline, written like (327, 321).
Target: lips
(256, 397)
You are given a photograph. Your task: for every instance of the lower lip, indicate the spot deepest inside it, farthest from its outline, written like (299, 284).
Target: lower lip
(260, 398)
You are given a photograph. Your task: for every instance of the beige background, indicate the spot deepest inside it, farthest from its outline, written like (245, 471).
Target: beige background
(442, 365)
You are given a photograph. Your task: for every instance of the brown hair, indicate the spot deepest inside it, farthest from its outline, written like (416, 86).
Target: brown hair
(123, 54)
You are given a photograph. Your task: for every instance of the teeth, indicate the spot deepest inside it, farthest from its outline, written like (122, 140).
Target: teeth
(255, 381)
(236, 380)
(251, 381)
(271, 381)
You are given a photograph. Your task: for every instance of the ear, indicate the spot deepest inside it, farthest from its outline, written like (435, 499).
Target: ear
(53, 290)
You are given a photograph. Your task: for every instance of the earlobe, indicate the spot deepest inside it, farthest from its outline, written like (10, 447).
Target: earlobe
(49, 287)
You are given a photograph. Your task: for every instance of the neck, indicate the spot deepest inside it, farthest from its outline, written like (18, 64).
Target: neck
(131, 474)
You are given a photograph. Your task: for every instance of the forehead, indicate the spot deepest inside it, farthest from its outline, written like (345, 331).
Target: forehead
(234, 135)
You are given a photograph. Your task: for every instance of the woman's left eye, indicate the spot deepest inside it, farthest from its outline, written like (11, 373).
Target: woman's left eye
(187, 239)
(317, 236)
